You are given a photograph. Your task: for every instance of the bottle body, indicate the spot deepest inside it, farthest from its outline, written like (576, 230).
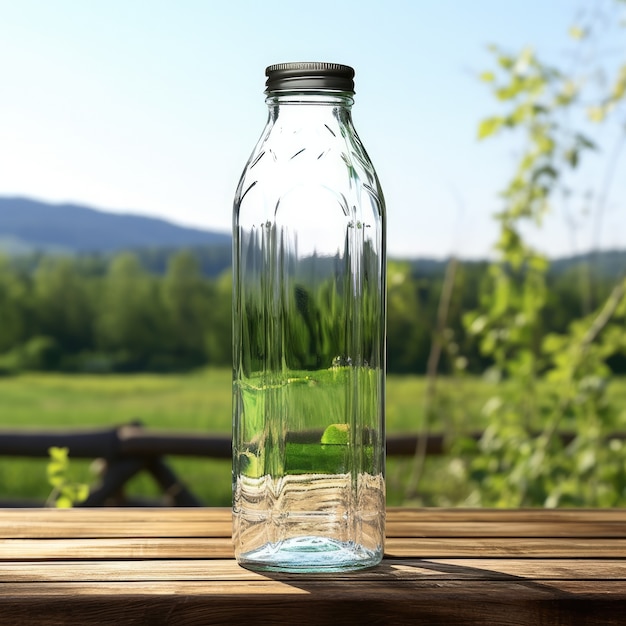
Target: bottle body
(309, 344)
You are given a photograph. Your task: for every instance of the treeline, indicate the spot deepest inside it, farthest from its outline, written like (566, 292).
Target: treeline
(79, 314)
(123, 314)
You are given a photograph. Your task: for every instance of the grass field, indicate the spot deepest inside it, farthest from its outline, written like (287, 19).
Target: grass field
(201, 401)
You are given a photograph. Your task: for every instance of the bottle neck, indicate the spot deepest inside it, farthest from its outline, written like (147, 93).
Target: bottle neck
(322, 107)
(341, 99)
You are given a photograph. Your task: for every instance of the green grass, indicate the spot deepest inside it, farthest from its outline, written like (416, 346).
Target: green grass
(201, 401)
(197, 401)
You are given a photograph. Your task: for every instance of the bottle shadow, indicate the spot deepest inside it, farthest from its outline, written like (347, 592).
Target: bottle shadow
(422, 591)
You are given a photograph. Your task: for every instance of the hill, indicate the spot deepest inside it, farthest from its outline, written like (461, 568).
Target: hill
(28, 226)
(608, 264)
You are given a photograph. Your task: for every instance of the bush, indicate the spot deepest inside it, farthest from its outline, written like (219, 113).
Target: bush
(40, 353)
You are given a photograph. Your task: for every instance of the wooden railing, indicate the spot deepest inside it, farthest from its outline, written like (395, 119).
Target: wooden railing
(130, 449)
(123, 453)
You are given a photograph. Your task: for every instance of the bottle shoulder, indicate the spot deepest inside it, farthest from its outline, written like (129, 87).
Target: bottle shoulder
(323, 154)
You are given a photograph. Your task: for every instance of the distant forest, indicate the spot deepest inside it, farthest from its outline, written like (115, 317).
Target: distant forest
(170, 310)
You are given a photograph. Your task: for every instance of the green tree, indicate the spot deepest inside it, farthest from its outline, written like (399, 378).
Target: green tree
(14, 308)
(63, 303)
(187, 305)
(408, 327)
(130, 318)
(523, 460)
(218, 336)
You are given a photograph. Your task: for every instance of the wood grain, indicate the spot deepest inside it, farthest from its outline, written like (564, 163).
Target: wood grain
(220, 547)
(124, 522)
(315, 602)
(217, 570)
(176, 566)
(216, 522)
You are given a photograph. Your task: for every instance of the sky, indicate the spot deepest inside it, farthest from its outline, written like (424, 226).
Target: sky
(153, 107)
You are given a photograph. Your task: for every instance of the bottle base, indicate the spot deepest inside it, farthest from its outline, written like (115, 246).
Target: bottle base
(310, 555)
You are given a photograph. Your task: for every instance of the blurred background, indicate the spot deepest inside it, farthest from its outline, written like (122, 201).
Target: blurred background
(497, 130)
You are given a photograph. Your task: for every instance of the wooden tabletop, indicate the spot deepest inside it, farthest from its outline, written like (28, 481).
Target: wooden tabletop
(176, 566)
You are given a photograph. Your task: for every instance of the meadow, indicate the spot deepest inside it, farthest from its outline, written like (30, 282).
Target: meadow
(201, 401)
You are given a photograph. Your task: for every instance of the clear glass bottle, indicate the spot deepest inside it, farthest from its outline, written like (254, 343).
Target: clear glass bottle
(309, 334)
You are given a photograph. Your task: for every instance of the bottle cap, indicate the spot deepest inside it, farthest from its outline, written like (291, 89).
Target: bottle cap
(309, 76)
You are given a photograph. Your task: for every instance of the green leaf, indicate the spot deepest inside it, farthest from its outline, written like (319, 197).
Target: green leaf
(576, 32)
(545, 143)
(585, 142)
(568, 94)
(571, 156)
(56, 481)
(506, 61)
(487, 77)
(544, 171)
(58, 454)
(522, 112)
(478, 325)
(63, 502)
(75, 492)
(527, 161)
(510, 91)
(596, 113)
(619, 89)
(489, 126)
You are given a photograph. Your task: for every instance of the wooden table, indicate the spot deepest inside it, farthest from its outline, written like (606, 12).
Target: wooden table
(175, 566)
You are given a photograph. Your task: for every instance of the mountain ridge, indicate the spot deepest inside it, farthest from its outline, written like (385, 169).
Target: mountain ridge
(28, 225)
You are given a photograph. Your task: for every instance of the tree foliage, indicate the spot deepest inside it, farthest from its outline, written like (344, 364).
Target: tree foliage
(522, 460)
(78, 314)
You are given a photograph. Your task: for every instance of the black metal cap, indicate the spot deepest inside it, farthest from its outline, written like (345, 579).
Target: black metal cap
(315, 76)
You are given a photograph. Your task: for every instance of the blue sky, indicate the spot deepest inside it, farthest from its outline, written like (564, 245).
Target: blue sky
(153, 107)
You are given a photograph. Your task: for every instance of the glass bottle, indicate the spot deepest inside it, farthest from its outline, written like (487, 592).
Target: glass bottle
(309, 306)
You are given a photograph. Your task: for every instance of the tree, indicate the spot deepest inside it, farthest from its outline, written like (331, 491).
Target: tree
(408, 327)
(63, 304)
(130, 314)
(523, 461)
(187, 303)
(218, 337)
(14, 309)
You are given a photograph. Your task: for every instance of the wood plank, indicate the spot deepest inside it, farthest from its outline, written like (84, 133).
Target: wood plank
(462, 528)
(312, 585)
(216, 522)
(315, 602)
(505, 523)
(408, 514)
(115, 522)
(221, 547)
(111, 548)
(398, 570)
(182, 527)
(505, 547)
(442, 566)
